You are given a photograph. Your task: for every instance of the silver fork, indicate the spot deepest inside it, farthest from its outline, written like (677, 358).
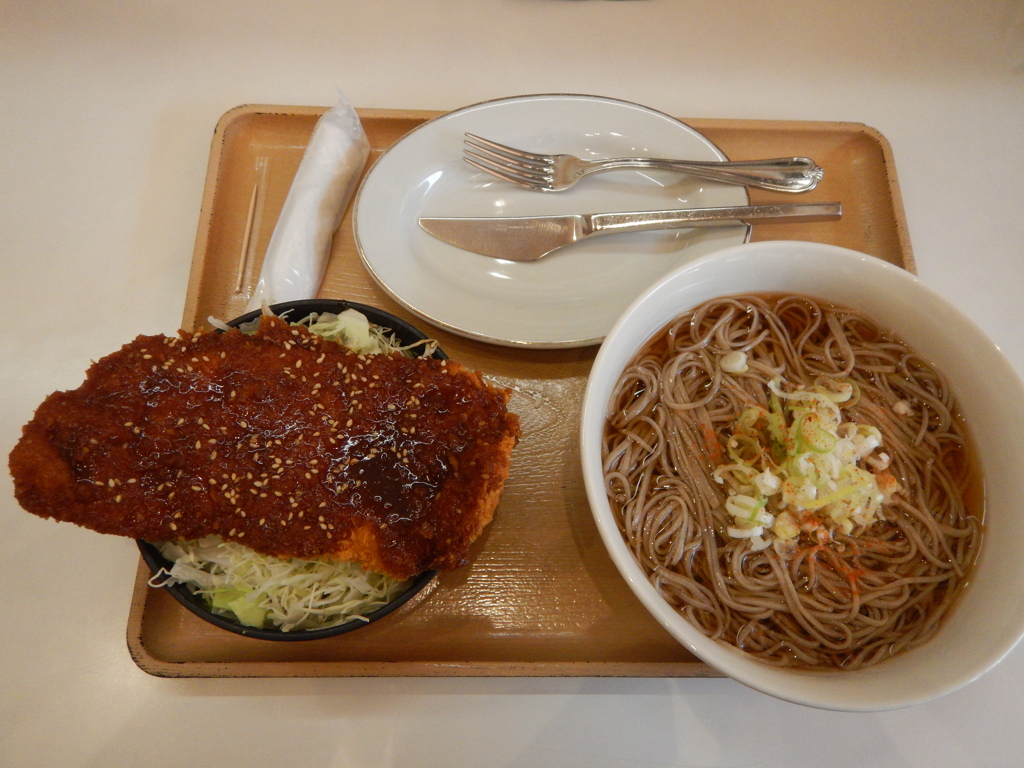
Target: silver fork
(553, 173)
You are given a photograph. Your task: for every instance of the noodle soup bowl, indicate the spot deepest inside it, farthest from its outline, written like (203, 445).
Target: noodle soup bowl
(987, 620)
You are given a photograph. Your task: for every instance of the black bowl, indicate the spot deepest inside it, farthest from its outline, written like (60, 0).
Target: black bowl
(294, 311)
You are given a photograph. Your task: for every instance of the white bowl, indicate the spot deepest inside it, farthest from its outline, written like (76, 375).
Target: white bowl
(989, 618)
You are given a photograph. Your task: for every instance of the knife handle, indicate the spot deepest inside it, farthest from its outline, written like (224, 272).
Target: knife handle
(609, 223)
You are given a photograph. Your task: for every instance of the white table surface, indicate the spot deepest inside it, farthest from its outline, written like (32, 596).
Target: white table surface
(106, 114)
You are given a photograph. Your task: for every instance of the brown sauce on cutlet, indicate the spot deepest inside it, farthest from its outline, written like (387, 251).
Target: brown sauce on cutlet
(282, 441)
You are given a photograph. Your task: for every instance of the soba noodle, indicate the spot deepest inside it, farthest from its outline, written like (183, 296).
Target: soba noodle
(832, 598)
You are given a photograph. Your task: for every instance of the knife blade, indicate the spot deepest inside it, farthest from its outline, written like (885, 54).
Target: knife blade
(529, 238)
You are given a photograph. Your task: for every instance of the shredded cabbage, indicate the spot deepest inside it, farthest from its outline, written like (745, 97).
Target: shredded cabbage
(289, 594)
(352, 329)
(261, 590)
(797, 466)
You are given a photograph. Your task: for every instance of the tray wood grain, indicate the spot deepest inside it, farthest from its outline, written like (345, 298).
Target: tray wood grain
(541, 597)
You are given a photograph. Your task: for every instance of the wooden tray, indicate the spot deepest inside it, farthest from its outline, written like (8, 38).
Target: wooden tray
(541, 597)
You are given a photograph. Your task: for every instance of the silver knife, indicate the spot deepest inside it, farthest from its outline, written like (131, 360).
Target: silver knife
(529, 238)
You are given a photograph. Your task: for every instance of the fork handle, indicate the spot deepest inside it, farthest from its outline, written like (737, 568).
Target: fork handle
(782, 174)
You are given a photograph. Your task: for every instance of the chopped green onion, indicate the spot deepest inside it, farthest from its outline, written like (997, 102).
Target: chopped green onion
(794, 465)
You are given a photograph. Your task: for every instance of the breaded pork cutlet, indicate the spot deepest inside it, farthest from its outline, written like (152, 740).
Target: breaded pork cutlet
(282, 441)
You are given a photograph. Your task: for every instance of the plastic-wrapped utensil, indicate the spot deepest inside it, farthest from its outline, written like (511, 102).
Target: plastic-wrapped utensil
(296, 257)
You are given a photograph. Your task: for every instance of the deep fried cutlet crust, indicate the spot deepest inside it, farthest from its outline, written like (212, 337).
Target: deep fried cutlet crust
(282, 441)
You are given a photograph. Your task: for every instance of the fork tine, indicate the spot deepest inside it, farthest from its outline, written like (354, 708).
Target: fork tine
(505, 174)
(479, 142)
(504, 159)
(526, 171)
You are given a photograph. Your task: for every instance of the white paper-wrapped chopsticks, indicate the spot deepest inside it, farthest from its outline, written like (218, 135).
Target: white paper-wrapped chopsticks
(296, 258)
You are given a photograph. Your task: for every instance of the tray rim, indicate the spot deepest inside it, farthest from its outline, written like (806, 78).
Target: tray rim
(158, 667)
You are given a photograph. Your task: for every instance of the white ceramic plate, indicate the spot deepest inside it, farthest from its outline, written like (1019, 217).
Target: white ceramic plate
(988, 620)
(572, 297)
